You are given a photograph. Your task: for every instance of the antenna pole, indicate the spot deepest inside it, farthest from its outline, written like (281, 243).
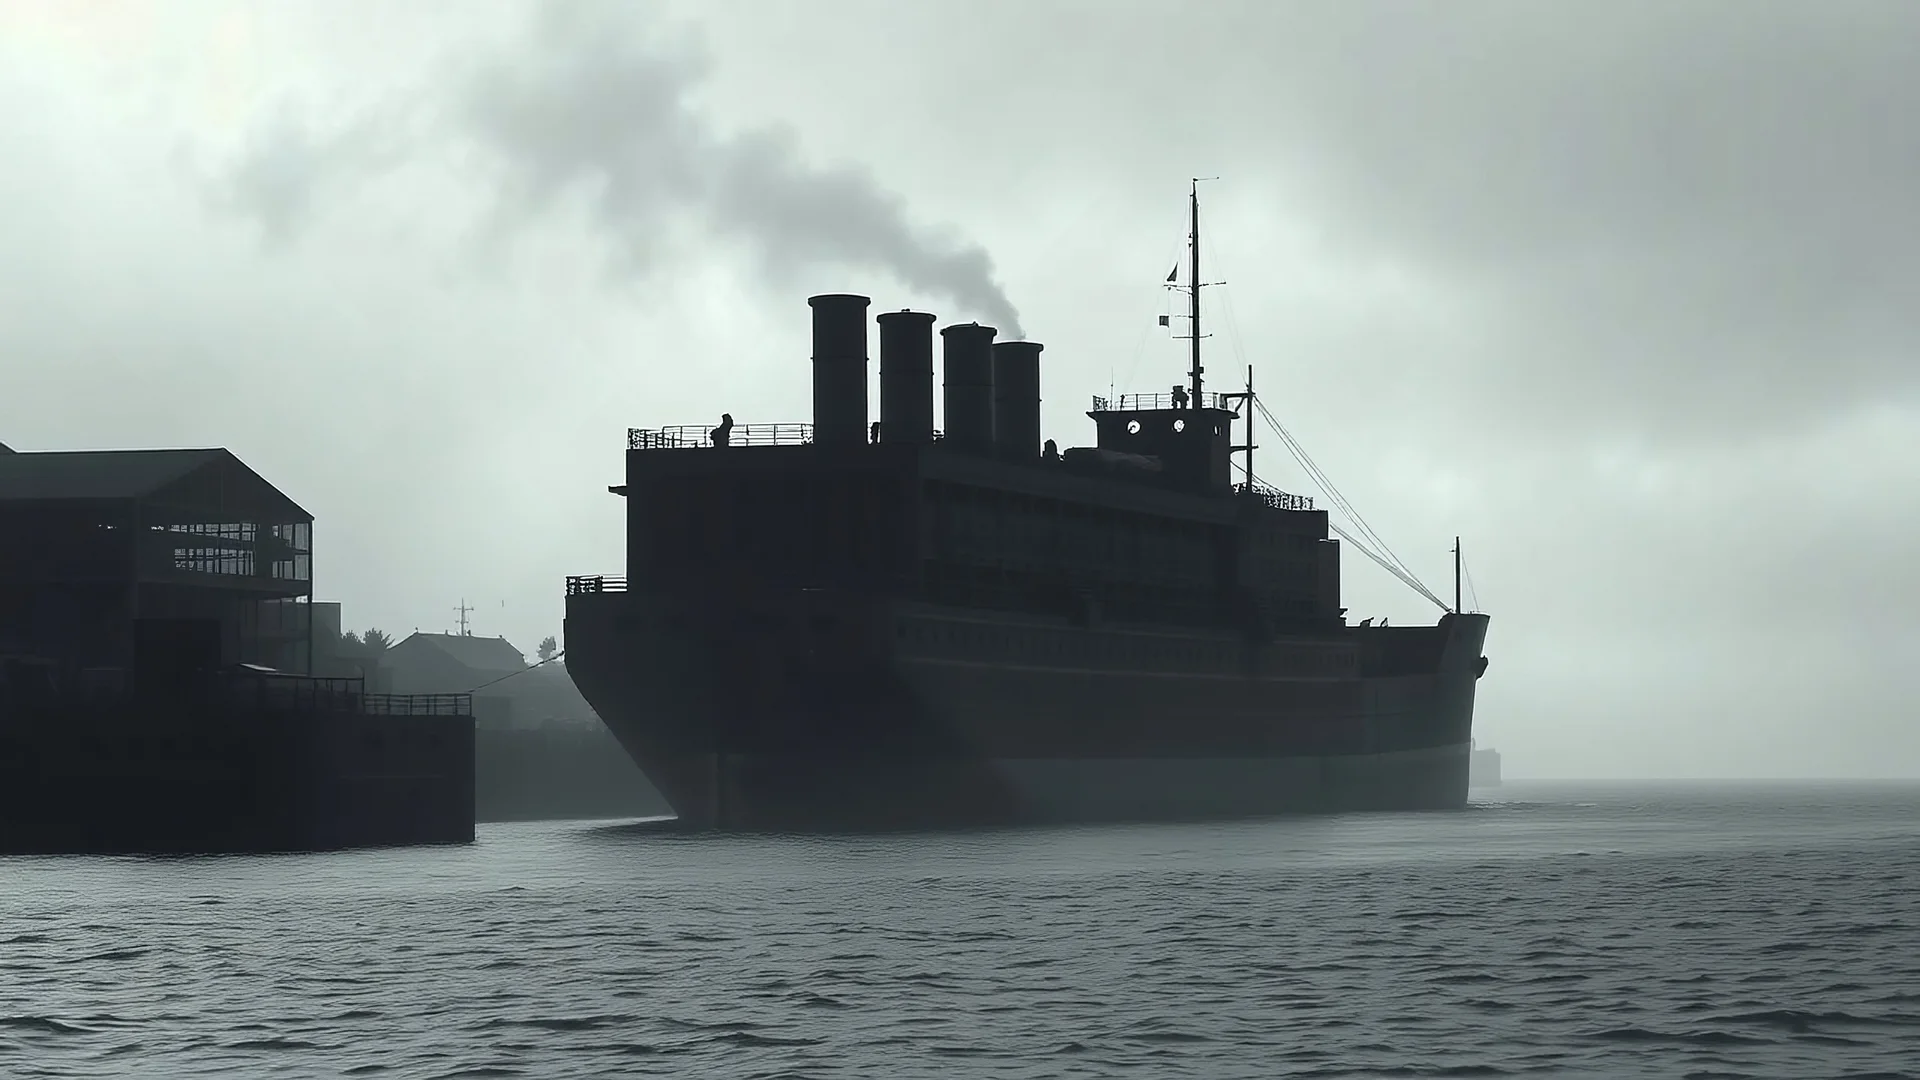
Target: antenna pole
(1249, 429)
(463, 609)
(1193, 300)
(1456, 575)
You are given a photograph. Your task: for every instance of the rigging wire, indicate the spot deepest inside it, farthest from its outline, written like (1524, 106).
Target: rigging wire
(1393, 563)
(1305, 460)
(1361, 546)
(1326, 485)
(1473, 594)
(522, 671)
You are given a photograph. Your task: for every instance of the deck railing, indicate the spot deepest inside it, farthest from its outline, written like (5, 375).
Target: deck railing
(261, 689)
(584, 585)
(1144, 402)
(693, 436)
(286, 692)
(1274, 497)
(417, 704)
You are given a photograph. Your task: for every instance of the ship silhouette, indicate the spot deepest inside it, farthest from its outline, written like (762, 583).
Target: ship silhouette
(847, 625)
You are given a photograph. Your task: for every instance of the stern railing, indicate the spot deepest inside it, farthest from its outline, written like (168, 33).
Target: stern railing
(1274, 497)
(290, 692)
(588, 584)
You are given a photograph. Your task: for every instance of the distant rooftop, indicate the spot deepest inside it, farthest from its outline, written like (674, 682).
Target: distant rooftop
(475, 653)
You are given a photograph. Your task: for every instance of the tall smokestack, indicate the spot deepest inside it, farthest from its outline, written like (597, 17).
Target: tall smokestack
(906, 377)
(839, 369)
(968, 362)
(1016, 400)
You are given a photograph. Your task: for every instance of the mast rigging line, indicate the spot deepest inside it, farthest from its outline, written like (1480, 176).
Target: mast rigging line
(522, 671)
(1391, 562)
(1320, 479)
(1360, 545)
(1305, 460)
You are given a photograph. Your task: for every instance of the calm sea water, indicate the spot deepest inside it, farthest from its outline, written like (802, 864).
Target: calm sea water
(1593, 930)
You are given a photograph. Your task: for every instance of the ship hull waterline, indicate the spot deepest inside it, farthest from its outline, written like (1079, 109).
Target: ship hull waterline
(914, 743)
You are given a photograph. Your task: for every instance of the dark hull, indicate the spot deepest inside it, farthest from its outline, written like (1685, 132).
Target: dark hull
(884, 716)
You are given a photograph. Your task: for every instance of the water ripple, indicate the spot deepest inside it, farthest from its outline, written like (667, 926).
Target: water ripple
(1606, 936)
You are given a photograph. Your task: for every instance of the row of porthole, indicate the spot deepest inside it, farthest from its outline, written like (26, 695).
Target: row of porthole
(1145, 587)
(1118, 649)
(1083, 546)
(1195, 554)
(1172, 575)
(987, 524)
(1041, 645)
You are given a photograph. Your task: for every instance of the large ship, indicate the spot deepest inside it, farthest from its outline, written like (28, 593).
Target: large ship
(845, 626)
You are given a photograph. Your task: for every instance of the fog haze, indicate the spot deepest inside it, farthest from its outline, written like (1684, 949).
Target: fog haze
(1622, 294)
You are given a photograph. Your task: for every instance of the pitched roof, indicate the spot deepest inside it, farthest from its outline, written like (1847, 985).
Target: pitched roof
(474, 653)
(96, 474)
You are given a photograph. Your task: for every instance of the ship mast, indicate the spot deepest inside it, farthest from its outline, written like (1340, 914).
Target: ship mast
(1456, 575)
(1193, 292)
(1196, 370)
(1249, 448)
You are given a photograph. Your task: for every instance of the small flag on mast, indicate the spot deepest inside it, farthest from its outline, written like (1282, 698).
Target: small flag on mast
(1173, 273)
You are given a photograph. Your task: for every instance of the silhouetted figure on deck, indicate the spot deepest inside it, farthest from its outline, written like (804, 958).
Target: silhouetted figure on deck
(1179, 397)
(873, 431)
(723, 434)
(1050, 452)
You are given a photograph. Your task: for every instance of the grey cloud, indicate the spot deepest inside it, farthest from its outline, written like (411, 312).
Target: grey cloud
(1692, 214)
(289, 165)
(596, 110)
(1688, 216)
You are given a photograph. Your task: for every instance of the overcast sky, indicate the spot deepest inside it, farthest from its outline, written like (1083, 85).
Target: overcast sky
(1625, 294)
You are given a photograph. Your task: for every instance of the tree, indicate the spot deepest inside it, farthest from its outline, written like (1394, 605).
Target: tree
(350, 639)
(377, 639)
(548, 646)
